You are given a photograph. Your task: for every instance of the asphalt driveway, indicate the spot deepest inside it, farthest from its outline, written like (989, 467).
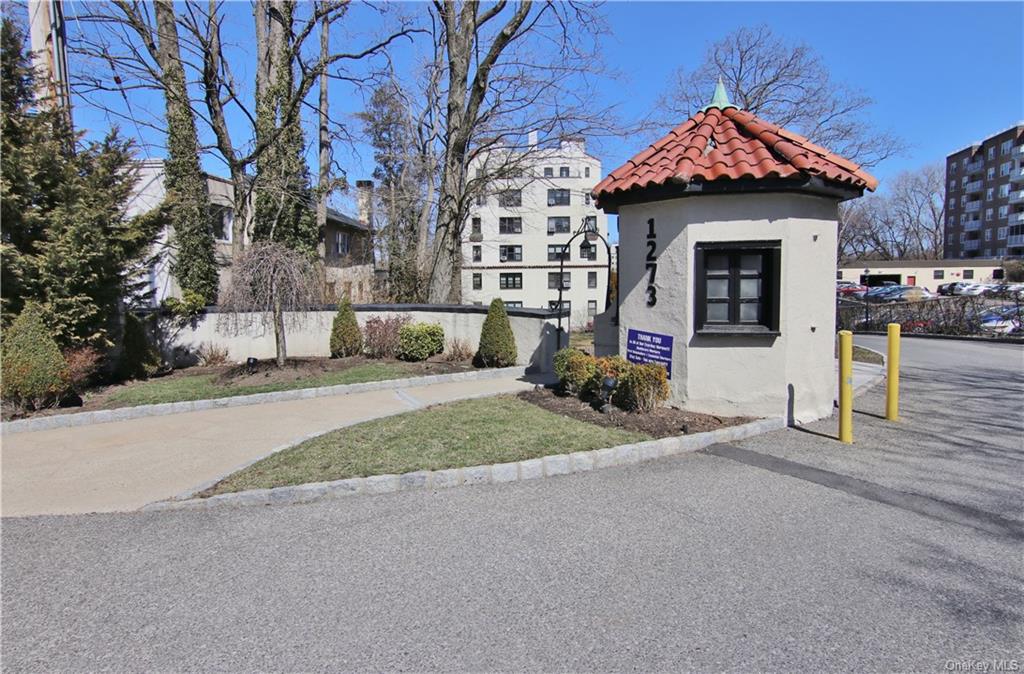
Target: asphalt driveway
(902, 552)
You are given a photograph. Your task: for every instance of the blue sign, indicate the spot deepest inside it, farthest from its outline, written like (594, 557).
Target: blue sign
(649, 347)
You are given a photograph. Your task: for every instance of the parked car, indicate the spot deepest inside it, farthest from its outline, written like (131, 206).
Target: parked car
(882, 293)
(1001, 320)
(950, 288)
(850, 289)
(909, 294)
(971, 289)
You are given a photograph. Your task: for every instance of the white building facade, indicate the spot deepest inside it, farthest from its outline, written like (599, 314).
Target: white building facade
(516, 236)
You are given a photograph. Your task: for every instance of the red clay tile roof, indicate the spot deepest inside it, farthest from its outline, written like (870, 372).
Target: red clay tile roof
(744, 147)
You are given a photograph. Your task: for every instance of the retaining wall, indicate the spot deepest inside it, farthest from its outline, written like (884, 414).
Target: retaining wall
(308, 333)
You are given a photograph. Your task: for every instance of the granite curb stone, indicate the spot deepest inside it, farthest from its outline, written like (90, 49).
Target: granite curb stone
(548, 466)
(164, 409)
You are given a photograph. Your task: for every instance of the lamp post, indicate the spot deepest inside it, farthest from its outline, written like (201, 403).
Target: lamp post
(591, 234)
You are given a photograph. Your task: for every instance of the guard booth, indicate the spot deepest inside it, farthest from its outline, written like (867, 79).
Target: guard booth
(727, 262)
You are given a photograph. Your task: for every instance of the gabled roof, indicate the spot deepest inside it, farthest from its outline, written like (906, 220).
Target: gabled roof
(722, 144)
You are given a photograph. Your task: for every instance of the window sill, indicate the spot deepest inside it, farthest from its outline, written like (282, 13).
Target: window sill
(737, 330)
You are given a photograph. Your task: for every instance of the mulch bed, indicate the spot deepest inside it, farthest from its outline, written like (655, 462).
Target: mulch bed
(661, 423)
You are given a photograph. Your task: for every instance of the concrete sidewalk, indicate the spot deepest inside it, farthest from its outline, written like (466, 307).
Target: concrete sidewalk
(126, 464)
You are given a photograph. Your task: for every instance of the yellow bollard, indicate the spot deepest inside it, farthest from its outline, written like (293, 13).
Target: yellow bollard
(892, 374)
(846, 387)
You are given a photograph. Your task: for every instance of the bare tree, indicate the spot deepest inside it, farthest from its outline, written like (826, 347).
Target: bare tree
(905, 222)
(268, 281)
(510, 69)
(784, 83)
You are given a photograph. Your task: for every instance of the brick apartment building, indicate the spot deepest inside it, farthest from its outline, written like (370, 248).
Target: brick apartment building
(985, 198)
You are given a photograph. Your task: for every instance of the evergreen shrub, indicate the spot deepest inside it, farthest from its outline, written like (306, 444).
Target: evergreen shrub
(139, 359)
(419, 341)
(34, 372)
(346, 338)
(497, 343)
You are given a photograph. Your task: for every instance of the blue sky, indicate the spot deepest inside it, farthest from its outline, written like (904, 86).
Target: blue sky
(942, 74)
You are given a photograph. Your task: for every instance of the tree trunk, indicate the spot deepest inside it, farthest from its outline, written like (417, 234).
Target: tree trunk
(324, 182)
(279, 337)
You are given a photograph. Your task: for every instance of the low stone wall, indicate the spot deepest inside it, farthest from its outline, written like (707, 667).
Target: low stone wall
(308, 333)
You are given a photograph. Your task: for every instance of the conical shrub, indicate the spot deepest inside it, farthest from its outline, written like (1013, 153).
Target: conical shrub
(497, 343)
(35, 374)
(346, 338)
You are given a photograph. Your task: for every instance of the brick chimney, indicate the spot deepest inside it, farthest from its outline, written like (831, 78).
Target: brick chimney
(364, 202)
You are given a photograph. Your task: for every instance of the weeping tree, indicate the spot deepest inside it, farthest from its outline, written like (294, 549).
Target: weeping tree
(268, 281)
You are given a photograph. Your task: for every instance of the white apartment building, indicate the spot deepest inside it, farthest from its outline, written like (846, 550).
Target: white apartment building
(516, 235)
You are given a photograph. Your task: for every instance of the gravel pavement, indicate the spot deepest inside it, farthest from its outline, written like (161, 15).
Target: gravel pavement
(902, 552)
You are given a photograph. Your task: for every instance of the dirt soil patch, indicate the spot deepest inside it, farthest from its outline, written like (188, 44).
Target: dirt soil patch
(661, 423)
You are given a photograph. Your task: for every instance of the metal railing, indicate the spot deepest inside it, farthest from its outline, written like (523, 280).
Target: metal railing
(960, 315)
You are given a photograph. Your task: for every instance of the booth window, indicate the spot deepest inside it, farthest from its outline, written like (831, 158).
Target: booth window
(737, 287)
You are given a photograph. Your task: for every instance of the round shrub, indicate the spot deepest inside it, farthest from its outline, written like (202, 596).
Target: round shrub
(34, 372)
(139, 360)
(419, 341)
(346, 339)
(497, 343)
(642, 387)
(608, 366)
(575, 369)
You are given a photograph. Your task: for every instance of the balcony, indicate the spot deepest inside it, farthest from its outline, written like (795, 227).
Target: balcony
(1015, 240)
(1017, 197)
(974, 186)
(1015, 219)
(972, 225)
(1017, 173)
(972, 206)
(1017, 152)
(975, 166)
(971, 245)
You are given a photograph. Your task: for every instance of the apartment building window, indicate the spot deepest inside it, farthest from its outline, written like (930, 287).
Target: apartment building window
(557, 252)
(586, 198)
(590, 223)
(988, 194)
(510, 225)
(559, 225)
(478, 281)
(223, 221)
(1001, 233)
(592, 278)
(588, 251)
(963, 200)
(964, 161)
(553, 280)
(991, 154)
(1004, 190)
(563, 171)
(586, 171)
(963, 181)
(949, 220)
(342, 243)
(963, 237)
(1004, 168)
(477, 254)
(949, 239)
(938, 274)
(476, 226)
(513, 305)
(952, 167)
(510, 198)
(1005, 146)
(558, 197)
(510, 281)
(988, 214)
(963, 218)
(549, 172)
(988, 234)
(990, 173)
(481, 200)
(591, 308)
(952, 183)
(1003, 211)
(1000, 252)
(952, 202)
(968, 274)
(510, 253)
(987, 253)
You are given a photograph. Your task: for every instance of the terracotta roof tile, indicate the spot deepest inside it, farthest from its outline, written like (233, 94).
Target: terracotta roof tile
(730, 144)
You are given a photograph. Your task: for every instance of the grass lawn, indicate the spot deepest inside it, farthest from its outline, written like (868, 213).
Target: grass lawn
(204, 386)
(464, 433)
(862, 355)
(582, 340)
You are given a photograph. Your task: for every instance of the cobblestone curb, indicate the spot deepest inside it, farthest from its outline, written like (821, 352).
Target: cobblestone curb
(163, 409)
(548, 466)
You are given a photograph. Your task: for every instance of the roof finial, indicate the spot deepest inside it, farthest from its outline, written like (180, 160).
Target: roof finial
(721, 99)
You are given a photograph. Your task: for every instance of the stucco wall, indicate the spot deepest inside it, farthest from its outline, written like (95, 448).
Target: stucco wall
(308, 334)
(792, 373)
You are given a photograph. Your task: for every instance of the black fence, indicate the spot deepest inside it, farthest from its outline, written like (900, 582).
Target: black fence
(963, 315)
